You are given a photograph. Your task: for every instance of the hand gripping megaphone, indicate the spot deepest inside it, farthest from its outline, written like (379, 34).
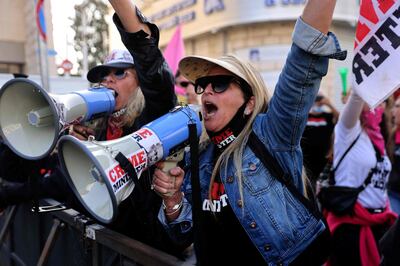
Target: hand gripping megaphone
(31, 119)
(94, 173)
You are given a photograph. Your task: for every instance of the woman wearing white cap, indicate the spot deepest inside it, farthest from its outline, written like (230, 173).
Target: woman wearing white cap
(250, 217)
(125, 72)
(144, 90)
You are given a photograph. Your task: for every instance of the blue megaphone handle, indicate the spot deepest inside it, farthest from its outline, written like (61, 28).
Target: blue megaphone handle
(99, 102)
(172, 128)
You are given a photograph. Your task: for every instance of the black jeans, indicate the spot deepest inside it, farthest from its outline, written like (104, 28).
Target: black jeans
(346, 244)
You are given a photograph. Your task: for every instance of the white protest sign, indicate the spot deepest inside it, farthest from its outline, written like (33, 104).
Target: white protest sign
(376, 63)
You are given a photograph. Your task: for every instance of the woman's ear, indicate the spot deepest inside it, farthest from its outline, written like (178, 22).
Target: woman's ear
(250, 106)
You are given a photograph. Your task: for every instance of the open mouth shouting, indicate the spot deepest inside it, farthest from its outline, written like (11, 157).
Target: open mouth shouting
(115, 94)
(209, 110)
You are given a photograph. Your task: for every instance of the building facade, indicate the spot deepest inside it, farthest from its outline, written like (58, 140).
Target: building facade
(257, 30)
(19, 38)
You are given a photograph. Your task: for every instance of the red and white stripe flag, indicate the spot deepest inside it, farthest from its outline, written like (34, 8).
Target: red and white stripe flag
(40, 20)
(376, 62)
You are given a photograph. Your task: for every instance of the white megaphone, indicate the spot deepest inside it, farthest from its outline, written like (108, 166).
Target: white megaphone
(31, 119)
(97, 178)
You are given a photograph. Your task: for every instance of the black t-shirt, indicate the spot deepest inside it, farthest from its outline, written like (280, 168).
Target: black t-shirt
(316, 141)
(227, 241)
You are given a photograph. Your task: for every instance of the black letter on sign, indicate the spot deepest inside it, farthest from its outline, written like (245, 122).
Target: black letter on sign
(385, 30)
(397, 13)
(360, 65)
(373, 46)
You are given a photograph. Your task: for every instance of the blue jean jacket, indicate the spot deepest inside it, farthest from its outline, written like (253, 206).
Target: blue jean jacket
(276, 222)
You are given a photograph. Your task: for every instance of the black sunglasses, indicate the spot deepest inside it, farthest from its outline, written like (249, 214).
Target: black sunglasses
(220, 83)
(118, 73)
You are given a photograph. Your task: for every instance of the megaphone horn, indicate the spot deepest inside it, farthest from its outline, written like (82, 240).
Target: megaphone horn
(31, 118)
(98, 179)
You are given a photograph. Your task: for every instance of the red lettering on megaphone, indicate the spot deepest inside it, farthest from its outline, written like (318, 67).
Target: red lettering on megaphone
(112, 175)
(144, 133)
(138, 160)
(120, 172)
(116, 173)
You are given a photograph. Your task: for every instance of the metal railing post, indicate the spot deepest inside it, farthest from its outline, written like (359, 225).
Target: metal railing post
(55, 229)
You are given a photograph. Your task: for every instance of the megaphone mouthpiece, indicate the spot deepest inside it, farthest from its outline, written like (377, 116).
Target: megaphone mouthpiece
(96, 174)
(41, 117)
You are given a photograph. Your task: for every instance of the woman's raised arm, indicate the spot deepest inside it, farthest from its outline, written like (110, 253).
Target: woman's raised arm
(318, 14)
(126, 11)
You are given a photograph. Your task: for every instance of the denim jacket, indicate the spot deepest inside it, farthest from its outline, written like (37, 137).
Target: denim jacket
(276, 222)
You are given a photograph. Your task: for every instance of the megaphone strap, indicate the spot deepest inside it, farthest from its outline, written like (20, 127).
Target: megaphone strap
(128, 168)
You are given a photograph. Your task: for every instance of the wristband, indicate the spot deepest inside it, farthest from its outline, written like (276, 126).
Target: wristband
(174, 208)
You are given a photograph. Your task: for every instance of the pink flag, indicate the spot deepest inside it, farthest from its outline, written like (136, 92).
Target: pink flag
(174, 52)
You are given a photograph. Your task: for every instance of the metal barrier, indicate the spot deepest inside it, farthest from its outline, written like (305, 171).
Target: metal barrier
(67, 237)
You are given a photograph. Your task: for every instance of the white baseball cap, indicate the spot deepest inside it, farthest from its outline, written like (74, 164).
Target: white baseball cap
(194, 67)
(116, 59)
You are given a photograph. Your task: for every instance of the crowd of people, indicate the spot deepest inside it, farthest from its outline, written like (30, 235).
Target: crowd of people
(250, 210)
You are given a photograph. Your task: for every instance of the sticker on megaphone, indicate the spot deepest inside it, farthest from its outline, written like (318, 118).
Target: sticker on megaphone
(98, 179)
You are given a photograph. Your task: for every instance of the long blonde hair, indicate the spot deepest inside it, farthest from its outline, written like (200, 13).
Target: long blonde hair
(134, 108)
(235, 149)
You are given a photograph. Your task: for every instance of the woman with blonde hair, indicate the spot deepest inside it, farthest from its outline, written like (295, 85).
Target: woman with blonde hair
(144, 90)
(250, 213)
